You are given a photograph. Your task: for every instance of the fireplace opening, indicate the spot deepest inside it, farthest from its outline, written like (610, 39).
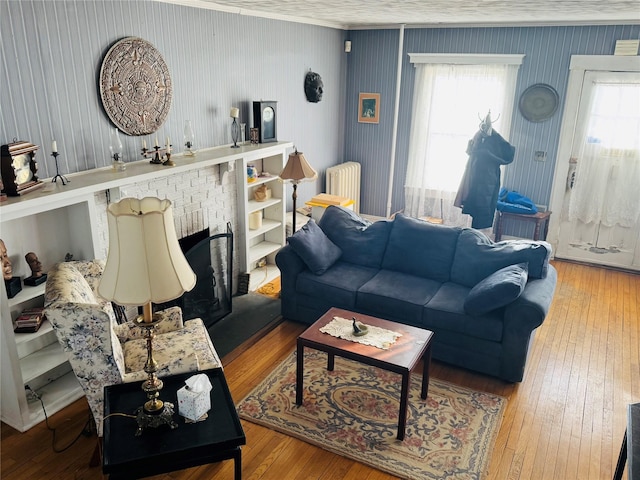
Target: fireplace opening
(211, 259)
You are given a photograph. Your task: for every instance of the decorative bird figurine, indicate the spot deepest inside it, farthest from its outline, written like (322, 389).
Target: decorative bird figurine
(359, 330)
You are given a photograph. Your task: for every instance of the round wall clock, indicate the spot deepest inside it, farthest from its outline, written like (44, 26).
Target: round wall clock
(135, 86)
(538, 102)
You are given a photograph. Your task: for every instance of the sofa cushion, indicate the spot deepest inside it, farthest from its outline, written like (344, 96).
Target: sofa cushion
(477, 257)
(445, 312)
(361, 242)
(497, 290)
(339, 284)
(420, 248)
(396, 296)
(316, 249)
(171, 321)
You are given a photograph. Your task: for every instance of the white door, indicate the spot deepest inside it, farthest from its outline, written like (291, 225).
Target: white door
(598, 197)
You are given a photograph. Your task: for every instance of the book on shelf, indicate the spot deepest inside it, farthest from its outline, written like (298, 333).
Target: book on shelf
(29, 321)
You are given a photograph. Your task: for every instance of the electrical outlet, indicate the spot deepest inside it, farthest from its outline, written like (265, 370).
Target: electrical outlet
(262, 262)
(540, 156)
(31, 394)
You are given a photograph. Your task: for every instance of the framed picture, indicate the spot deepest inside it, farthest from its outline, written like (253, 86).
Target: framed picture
(369, 108)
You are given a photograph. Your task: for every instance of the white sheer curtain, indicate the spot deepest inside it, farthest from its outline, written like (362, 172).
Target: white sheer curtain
(448, 104)
(608, 170)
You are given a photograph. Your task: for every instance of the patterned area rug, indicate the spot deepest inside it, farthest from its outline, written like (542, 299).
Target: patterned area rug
(353, 411)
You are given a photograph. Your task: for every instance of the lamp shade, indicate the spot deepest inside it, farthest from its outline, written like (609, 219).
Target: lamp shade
(145, 263)
(297, 169)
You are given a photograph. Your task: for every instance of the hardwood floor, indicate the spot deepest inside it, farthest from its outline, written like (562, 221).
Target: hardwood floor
(565, 420)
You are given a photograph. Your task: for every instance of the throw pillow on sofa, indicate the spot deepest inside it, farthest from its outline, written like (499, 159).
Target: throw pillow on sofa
(317, 251)
(497, 290)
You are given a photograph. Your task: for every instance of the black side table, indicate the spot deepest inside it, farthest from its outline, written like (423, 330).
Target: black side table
(630, 446)
(161, 450)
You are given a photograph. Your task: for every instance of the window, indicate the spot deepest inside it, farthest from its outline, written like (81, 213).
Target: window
(452, 94)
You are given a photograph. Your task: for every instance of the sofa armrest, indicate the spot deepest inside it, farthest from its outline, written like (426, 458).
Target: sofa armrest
(289, 261)
(532, 306)
(521, 318)
(290, 265)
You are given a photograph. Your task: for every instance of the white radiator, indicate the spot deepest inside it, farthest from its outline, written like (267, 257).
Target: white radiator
(344, 180)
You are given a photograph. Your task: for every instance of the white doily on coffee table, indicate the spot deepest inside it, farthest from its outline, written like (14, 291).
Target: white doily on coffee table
(376, 336)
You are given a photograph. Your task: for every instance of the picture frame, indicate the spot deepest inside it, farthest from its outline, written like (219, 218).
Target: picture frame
(369, 108)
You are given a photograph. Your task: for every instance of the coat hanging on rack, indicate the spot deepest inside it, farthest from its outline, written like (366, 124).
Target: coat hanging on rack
(478, 192)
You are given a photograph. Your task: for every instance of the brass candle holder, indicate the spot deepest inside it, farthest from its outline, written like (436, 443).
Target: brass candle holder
(159, 155)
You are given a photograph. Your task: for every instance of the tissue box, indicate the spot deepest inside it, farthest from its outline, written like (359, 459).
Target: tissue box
(193, 405)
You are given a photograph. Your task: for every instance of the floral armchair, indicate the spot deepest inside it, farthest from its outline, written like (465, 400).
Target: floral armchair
(103, 352)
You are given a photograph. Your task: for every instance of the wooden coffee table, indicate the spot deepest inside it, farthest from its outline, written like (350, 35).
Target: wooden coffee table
(401, 357)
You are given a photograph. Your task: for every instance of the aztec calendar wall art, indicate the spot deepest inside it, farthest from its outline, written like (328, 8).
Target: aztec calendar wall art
(135, 86)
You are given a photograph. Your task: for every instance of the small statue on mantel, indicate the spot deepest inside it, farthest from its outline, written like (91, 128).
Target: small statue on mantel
(37, 277)
(11, 283)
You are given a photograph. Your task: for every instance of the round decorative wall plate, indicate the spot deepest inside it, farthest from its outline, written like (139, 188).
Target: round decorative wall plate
(135, 86)
(539, 102)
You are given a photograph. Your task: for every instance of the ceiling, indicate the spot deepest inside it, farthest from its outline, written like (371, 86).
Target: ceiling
(361, 14)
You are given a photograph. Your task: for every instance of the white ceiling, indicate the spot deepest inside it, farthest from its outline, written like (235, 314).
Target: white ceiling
(360, 14)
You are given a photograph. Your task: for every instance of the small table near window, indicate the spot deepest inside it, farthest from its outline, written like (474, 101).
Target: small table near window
(162, 450)
(541, 219)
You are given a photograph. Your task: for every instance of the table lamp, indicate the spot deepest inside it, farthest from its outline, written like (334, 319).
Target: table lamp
(145, 265)
(297, 170)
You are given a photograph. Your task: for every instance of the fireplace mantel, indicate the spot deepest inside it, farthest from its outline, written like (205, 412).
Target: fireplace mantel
(81, 184)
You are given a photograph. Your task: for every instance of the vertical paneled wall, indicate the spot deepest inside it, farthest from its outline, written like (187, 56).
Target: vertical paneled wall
(372, 68)
(50, 59)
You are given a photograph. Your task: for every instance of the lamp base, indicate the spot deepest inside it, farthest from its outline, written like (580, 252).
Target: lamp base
(155, 420)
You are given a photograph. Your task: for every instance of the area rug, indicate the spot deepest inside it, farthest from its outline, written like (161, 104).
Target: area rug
(353, 411)
(271, 289)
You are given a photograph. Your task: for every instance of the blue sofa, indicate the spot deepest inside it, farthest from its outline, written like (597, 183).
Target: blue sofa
(482, 299)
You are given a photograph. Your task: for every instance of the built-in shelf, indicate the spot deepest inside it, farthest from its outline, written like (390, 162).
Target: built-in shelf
(261, 244)
(267, 225)
(55, 396)
(27, 293)
(254, 206)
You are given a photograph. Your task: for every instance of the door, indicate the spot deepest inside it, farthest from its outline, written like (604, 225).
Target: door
(599, 207)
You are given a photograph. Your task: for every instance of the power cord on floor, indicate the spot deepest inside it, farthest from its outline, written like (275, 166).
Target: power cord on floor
(266, 275)
(86, 431)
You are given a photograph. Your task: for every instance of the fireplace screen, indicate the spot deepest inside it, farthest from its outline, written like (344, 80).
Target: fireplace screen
(211, 259)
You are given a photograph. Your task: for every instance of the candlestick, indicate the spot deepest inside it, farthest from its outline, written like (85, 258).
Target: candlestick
(235, 133)
(55, 155)
(54, 146)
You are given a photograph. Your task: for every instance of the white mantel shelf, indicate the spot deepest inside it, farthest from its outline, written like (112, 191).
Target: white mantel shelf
(55, 195)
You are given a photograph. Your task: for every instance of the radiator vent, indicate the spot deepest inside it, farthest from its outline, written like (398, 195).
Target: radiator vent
(344, 180)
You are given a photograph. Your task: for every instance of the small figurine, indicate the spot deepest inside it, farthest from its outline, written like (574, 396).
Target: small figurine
(37, 277)
(359, 330)
(11, 283)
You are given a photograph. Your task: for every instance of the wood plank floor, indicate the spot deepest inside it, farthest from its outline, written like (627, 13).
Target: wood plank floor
(565, 421)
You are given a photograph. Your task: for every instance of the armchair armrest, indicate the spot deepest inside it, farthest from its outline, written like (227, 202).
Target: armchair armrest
(184, 364)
